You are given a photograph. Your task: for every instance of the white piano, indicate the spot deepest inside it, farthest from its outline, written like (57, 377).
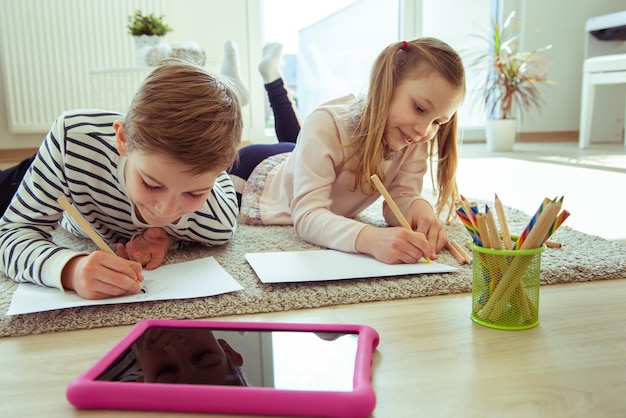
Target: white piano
(603, 102)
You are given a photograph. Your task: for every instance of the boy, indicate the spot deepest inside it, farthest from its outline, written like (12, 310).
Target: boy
(149, 181)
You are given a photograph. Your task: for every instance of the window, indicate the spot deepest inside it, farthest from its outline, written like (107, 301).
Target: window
(330, 45)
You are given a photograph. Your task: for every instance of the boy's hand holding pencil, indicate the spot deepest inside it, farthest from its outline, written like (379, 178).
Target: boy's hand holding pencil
(101, 274)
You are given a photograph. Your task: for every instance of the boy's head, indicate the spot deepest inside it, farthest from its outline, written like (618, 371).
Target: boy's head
(187, 355)
(187, 114)
(183, 128)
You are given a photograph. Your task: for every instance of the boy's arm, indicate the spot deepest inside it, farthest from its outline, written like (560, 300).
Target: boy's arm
(27, 253)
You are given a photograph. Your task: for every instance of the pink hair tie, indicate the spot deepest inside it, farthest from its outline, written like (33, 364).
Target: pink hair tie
(405, 45)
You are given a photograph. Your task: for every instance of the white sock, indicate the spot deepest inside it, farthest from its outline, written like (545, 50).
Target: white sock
(230, 69)
(269, 67)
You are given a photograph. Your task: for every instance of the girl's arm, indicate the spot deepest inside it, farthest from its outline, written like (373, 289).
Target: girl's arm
(317, 164)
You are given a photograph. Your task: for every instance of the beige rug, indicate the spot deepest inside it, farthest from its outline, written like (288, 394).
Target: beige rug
(581, 258)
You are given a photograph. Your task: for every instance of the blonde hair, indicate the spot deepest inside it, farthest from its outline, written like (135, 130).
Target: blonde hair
(396, 63)
(186, 113)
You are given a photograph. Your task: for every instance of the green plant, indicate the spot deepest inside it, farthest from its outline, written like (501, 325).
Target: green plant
(513, 77)
(151, 25)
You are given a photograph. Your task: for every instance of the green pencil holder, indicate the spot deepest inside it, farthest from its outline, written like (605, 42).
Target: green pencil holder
(505, 287)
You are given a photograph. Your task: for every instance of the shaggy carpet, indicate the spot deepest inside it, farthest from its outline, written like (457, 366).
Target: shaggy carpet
(582, 257)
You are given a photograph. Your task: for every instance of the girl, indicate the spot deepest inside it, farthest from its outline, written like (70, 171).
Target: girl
(150, 180)
(407, 118)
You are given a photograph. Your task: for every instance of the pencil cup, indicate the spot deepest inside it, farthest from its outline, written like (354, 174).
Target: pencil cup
(505, 287)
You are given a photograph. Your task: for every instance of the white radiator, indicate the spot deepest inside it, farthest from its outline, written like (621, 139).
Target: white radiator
(50, 49)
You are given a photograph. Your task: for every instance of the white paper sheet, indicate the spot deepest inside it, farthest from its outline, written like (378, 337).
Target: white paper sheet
(318, 265)
(191, 279)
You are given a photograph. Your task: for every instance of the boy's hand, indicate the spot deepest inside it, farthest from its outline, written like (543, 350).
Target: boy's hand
(100, 275)
(149, 248)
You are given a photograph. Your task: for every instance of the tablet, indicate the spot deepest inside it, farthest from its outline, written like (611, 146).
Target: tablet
(258, 368)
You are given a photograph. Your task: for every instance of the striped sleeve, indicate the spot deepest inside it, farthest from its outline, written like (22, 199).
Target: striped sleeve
(78, 159)
(27, 252)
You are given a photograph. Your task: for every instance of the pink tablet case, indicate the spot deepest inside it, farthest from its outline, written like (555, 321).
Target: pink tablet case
(87, 392)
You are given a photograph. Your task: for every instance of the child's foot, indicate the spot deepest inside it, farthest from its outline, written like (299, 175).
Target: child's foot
(269, 67)
(230, 69)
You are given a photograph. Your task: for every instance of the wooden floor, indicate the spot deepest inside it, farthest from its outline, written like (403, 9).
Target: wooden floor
(432, 360)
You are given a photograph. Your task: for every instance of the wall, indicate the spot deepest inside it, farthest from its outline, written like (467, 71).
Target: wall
(208, 22)
(211, 22)
(561, 23)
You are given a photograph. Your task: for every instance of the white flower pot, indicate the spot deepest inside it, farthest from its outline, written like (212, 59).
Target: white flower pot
(501, 134)
(144, 44)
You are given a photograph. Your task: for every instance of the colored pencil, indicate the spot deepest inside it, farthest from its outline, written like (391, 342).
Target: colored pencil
(504, 227)
(537, 235)
(455, 253)
(483, 229)
(84, 225)
(470, 213)
(392, 205)
(461, 250)
(468, 225)
(558, 221)
(531, 223)
(494, 237)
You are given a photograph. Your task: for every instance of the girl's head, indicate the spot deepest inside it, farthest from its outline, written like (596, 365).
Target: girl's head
(186, 114)
(415, 90)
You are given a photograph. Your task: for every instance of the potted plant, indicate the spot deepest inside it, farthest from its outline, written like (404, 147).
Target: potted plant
(148, 31)
(513, 81)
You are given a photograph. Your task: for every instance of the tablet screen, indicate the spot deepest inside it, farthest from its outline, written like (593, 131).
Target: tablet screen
(279, 359)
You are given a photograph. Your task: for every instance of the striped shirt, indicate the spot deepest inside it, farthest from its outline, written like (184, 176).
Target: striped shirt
(79, 159)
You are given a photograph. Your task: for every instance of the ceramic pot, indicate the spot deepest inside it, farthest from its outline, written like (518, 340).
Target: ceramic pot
(144, 44)
(501, 134)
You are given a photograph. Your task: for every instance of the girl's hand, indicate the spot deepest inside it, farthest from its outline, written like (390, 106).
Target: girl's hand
(149, 248)
(100, 275)
(422, 219)
(394, 245)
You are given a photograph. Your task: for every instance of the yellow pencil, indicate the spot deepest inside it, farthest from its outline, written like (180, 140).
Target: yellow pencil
(392, 205)
(504, 227)
(84, 225)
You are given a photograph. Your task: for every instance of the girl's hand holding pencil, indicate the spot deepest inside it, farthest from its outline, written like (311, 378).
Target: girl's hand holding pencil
(455, 249)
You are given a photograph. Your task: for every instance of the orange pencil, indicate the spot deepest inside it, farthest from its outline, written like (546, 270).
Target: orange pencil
(462, 252)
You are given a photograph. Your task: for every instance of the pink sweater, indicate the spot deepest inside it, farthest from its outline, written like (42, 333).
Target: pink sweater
(312, 189)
